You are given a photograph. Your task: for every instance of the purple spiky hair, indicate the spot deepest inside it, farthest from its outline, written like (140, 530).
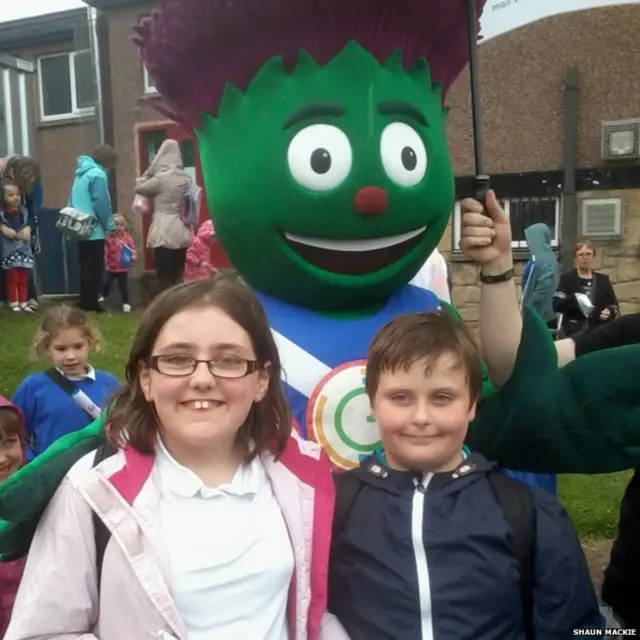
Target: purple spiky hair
(193, 48)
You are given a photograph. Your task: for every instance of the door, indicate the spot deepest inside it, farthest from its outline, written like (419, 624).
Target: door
(150, 141)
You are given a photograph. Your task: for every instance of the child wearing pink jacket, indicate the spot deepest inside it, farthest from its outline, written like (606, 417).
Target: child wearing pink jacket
(198, 265)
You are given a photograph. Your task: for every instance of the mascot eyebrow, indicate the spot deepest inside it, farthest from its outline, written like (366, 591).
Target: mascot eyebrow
(324, 109)
(400, 108)
(314, 110)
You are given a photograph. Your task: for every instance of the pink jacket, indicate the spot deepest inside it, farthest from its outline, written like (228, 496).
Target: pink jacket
(113, 252)
(199, 254)
(10, 572)
(58, 598)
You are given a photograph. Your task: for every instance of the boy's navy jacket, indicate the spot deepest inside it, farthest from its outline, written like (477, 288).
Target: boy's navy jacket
(438, 564)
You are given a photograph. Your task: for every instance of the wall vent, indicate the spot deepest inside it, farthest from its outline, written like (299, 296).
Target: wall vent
(602, 218)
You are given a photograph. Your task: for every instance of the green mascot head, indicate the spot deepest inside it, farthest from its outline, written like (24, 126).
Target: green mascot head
(321, 131)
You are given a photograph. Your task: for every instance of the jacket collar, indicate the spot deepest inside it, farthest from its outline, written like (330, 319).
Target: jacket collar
(90, 374)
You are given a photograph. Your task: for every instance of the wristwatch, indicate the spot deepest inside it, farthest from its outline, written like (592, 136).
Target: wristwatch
(502, 277)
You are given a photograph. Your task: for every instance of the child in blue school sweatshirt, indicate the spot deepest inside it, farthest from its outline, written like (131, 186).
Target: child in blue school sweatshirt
(72, 393)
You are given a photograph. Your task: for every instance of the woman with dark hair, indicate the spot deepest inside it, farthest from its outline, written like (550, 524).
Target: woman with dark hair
(583, 282)
(25, 171)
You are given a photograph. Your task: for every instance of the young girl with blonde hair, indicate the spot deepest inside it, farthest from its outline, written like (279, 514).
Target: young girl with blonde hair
(69, 395)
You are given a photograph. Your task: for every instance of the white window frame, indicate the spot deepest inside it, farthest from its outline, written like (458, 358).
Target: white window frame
(515, 244)
(149, 87)
(76, 112)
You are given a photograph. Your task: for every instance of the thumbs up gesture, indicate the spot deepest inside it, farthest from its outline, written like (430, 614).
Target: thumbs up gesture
(486, 232)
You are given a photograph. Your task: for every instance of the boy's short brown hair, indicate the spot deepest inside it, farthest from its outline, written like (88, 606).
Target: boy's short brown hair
(413, 338)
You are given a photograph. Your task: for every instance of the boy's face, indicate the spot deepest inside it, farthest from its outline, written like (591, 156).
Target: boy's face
(423, 415)
(11, 197)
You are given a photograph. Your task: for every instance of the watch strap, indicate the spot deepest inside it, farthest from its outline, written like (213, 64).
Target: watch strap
(502, 277)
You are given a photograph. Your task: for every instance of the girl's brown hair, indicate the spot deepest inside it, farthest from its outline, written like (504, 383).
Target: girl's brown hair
(58, 319)
(133, 419)
(11, 424)
(24, 171)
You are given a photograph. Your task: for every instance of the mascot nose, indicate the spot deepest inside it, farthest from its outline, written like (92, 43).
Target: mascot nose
(371, 201)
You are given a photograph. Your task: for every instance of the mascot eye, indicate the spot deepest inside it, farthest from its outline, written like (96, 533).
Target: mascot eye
(320, 157)
(404, 156)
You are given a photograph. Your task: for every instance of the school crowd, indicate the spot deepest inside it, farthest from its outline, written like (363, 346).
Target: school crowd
(106, 249)
(200, 434)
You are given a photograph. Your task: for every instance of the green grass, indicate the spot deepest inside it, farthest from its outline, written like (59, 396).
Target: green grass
(592, 501)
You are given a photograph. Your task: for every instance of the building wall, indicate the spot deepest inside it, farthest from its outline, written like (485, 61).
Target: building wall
(57, 145)
(522, 82)
(131, 107)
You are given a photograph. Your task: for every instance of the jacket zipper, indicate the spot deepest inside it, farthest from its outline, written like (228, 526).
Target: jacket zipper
(420, 555)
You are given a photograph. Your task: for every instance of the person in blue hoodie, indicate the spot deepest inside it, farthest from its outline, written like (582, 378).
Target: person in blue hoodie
(25, 171)
(430, 545)
(539, 283)
(541, 274)
(90, 194)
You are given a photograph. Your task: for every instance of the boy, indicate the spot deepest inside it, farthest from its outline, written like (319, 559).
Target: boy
(426, 549)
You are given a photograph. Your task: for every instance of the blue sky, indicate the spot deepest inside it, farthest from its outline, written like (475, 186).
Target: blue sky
(26, 8)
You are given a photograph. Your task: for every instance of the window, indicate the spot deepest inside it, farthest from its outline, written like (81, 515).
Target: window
(522, 212)
(149, 85)
(67, 86)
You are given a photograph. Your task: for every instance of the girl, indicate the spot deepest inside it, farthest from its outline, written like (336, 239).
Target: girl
(11, 459)
(167, 184)
(218, 520)
(17, 253)
(199, 265)
(25, 171)
(119, 255)
(68, 396)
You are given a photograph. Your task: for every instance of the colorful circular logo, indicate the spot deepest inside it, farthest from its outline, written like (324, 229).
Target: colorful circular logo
(339, 416)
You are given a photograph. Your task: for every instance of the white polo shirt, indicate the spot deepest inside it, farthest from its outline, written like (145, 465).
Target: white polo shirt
(229, 551)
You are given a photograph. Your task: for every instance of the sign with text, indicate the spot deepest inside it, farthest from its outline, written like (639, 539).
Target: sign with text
(501, 16)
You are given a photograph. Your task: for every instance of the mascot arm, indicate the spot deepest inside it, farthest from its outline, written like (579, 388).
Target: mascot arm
(25, 495)
(583, 418)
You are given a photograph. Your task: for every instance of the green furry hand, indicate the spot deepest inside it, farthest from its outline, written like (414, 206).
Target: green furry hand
(583, 418)
(25, 495)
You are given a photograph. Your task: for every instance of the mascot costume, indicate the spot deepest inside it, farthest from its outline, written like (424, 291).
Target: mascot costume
(321, 132)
